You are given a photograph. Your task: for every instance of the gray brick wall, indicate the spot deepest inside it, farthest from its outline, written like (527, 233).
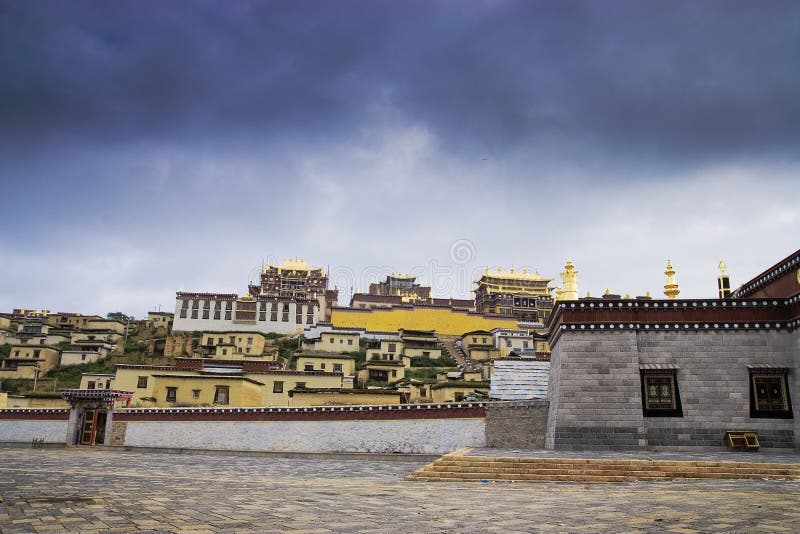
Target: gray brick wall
(595, 390)
(516, 424)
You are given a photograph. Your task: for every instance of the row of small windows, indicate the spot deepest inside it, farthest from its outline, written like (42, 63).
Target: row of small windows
(221, 392)
(206, 313)
(769, 394)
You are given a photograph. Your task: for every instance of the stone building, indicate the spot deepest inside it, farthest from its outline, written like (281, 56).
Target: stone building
(635, 374)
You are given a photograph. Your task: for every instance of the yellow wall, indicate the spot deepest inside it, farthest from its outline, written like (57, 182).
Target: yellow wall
(338, 341)
(127, 379)
(326, 364)
(105, 324)
(99, 381)
(34, 402)
(337, 398)
(245, 344)
(480, 354)
(241, 392)
(447, 394)
(272, 398)
(415, 393)
(443, 320)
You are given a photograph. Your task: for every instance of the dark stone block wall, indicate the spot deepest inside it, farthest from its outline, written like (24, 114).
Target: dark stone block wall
(516, 424)
(595, 389)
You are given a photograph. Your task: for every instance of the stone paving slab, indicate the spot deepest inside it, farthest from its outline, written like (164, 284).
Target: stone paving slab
(91, 490)
(762, 456)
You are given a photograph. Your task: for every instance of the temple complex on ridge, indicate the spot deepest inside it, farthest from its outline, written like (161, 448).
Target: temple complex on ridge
(401, 289)
(523, 295)
(288, 297)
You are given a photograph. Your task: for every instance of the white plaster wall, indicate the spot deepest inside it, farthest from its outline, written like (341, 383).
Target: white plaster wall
(213, 325)
(16, 430)
(417, 436)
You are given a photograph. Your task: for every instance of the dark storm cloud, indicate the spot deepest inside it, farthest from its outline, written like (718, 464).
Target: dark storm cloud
(658, 80)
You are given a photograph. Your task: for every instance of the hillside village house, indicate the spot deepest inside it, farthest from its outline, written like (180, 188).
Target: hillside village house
(236, 345)
(28, 361)
(479, 345)
(149, 383)
(320, 361)
(333, 341)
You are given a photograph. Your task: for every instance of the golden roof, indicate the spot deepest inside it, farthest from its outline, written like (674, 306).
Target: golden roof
(512, 274)
(294, 264)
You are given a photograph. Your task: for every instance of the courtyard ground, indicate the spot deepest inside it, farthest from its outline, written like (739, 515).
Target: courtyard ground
(107, 490)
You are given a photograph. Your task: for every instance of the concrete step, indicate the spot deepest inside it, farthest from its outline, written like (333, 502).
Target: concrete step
(727, 468)
(471, 468)
(659, 471)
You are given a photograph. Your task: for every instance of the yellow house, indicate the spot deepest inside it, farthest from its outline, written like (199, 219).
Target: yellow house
(334, 363)
(420, 343)
(105, 324)
(278, 384)
(385, 370)
(25, 361)
(206, 390)
(479, 345)
(343, 397)
(236, 346)
(457, 391)
(333, 342)
(419, 390)
(97, 381)
(139, 379)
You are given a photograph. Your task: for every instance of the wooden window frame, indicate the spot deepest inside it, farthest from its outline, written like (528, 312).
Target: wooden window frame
(676, 410)
(757, 413)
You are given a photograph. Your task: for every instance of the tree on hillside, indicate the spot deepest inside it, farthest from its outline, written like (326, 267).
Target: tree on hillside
(119, 316)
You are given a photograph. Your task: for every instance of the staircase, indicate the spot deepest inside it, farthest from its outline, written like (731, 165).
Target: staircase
(456, 352)
(455, 468)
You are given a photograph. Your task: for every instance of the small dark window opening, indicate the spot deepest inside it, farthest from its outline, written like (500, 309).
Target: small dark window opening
(769, 394)
(660, 395)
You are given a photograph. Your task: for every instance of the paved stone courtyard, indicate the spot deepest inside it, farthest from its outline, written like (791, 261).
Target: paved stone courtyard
(97, 490)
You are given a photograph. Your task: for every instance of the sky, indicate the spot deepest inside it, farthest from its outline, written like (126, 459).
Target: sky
(151, 147)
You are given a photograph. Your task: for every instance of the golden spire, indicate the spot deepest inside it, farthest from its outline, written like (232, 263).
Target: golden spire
(671, 287)
(608, 291)
(723, 281)
(569, 282)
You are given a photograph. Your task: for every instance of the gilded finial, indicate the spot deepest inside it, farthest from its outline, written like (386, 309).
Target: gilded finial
(722, 266)
(569, 282)
(608, 292)
(647, 294)
(627, 295)
(671, 287)
(588, 294)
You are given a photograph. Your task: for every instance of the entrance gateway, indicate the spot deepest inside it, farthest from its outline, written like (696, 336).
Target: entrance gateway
(91, 413)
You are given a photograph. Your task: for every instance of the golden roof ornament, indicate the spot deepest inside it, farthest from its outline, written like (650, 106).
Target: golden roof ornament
(671, 287)
(722, 266)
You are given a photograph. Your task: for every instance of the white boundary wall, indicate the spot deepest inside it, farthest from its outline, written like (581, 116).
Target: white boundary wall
(25, 431)
(409, 436)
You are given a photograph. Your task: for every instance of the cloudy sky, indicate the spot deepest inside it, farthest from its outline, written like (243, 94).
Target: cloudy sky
(147, 147)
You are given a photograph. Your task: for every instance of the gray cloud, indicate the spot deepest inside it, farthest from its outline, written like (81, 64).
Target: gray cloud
(146, 147)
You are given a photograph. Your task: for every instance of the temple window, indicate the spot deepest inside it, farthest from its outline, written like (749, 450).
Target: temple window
(277, 387)
(660, 396)
(769, 394)
(172, 394)
(142, 382)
